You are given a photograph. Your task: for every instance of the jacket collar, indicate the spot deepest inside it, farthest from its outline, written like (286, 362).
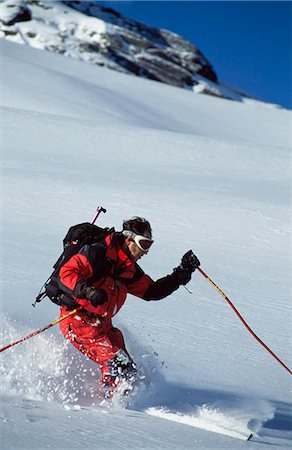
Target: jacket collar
(118, 254)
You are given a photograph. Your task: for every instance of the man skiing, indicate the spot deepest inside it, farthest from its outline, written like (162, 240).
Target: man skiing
(99, 278)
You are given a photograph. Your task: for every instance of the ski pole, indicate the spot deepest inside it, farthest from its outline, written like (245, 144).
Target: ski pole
(243, 321)
(99, 209)
(71, 313)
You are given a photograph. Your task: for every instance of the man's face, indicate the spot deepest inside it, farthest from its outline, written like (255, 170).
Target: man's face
(135, 251)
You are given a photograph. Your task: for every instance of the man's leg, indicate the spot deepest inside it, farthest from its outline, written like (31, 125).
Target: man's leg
(119, 368)
(104, 345)
(91, 337)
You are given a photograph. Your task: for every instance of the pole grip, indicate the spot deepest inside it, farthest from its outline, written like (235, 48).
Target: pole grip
(99, 209)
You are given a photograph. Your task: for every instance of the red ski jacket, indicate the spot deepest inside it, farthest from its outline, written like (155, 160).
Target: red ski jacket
(108, 265)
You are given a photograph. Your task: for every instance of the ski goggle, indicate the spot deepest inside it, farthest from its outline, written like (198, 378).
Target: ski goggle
(142, 242)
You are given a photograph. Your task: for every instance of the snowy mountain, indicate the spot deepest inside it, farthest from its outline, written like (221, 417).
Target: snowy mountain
(90, 32)
(209, 174)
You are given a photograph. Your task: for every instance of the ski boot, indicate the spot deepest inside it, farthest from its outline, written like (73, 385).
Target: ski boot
(119, 376)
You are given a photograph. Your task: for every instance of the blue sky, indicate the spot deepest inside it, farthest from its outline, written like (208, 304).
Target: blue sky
(249, 43)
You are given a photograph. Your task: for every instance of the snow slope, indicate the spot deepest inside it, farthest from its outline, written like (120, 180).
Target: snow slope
(209, 174)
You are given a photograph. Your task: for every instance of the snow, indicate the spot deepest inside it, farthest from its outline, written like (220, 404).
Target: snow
(8, 10)
(51, 23)
(210, 174)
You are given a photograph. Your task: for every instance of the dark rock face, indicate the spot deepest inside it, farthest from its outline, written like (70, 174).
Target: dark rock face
(99, 35)
(16, 13)
(158, 54)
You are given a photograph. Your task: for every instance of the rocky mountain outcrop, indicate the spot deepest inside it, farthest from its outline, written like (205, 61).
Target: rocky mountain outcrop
(147, 51)
(99, 35)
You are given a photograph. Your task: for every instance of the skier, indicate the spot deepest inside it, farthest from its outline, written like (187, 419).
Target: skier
(99, 278)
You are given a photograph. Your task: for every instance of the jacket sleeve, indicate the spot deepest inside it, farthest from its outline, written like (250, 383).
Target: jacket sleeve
(144, 287)
(74, 272)
(90, 263)
(161, 288)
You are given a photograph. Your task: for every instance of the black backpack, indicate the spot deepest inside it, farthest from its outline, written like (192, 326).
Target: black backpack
(77, 236)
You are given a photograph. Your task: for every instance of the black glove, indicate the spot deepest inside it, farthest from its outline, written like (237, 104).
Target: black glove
(188, 265)
(189, 261)
(95, 296)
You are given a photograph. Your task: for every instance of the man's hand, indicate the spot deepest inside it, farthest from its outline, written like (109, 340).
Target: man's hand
(189, 263)
(95, 296)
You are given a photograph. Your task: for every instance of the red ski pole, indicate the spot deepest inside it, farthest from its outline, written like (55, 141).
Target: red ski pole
(243, 321)
(34, 333)
(99, 209)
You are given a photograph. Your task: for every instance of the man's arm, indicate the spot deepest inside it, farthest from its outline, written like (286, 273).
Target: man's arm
(76, 276)
(143, 286)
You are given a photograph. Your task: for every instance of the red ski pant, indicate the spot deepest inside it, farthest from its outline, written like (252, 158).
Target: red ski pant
(96, 339)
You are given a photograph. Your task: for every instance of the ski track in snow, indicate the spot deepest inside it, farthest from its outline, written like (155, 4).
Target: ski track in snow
(63, 377)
